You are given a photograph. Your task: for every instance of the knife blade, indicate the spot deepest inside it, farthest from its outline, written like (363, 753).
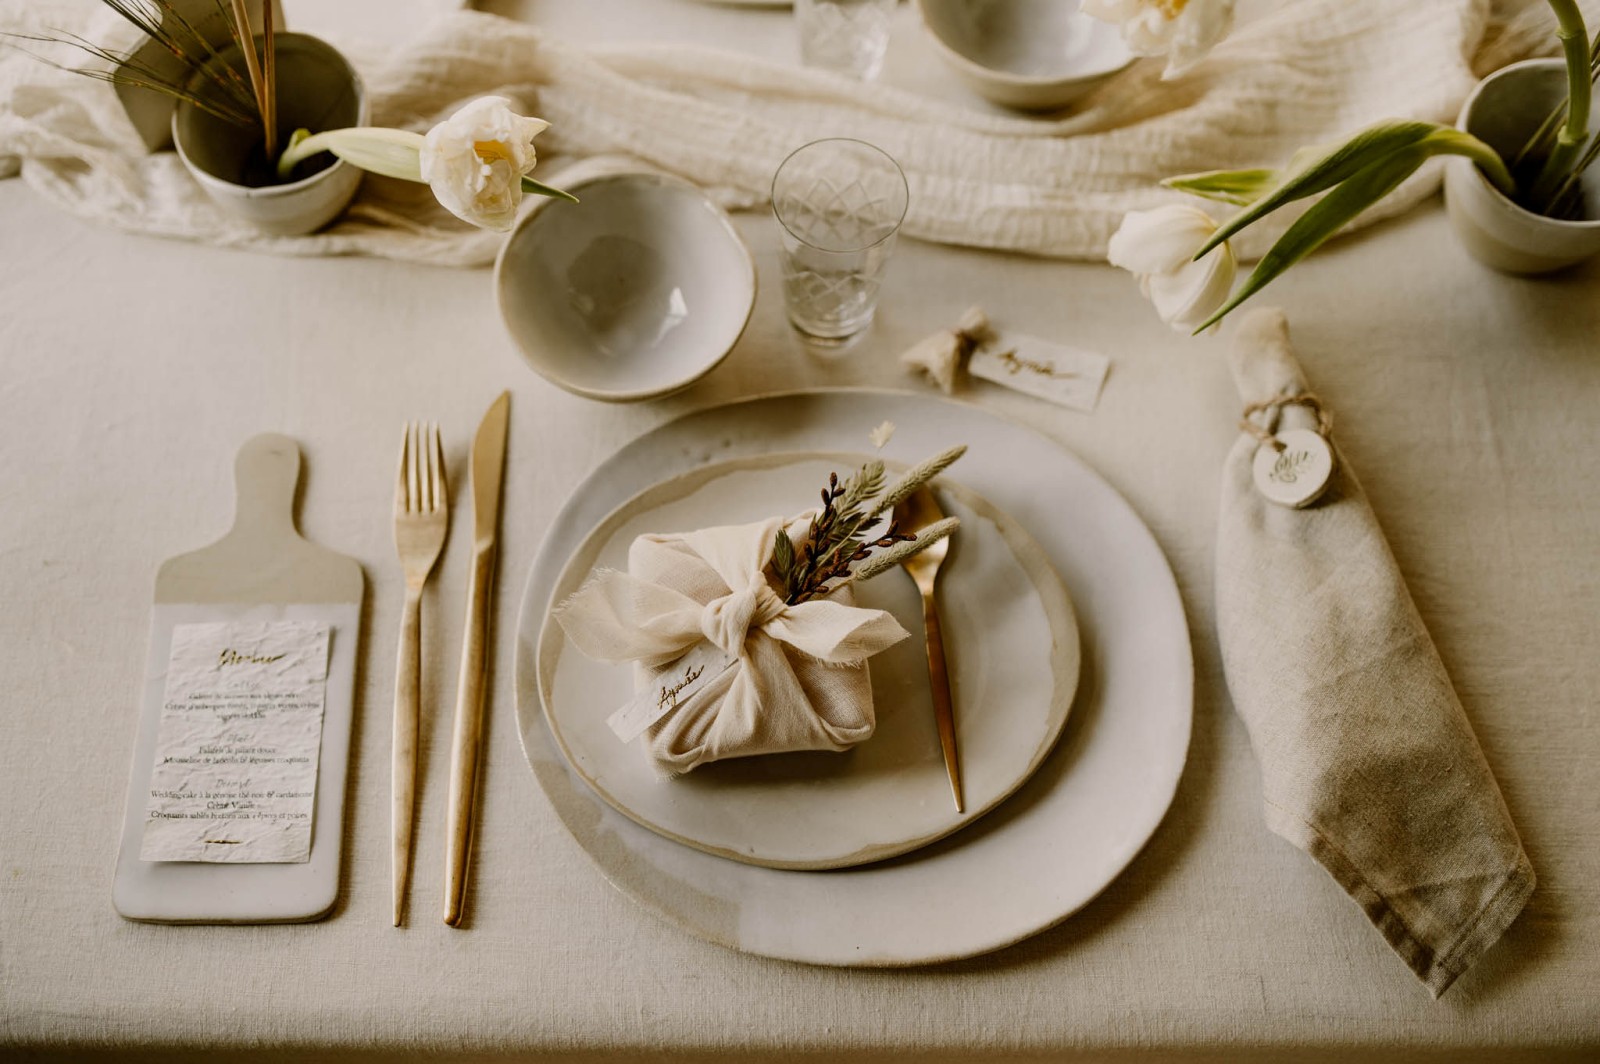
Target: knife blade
(486, 473)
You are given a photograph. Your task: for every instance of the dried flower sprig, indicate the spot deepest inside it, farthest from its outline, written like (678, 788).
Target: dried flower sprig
(845, 537)
(907, 548)
(215, 88)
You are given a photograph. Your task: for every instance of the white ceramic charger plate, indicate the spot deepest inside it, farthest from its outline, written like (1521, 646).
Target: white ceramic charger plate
(1012, 645)
(1032, 862)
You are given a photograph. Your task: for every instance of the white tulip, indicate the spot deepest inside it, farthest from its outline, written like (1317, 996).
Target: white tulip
(475, 161)
(1182, 30)
(1159, 246)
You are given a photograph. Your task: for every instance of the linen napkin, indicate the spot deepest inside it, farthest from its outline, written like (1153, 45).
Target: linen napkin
(1368, 762)
(798, 679)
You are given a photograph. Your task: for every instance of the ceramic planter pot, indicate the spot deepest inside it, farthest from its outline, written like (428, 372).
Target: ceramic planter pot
(317, 90)
(1503, 111)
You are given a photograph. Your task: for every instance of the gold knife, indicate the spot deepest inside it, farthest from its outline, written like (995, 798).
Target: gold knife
(488, 465)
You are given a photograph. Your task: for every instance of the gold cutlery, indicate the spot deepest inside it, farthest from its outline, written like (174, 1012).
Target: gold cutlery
(421, 519)
(488, 465)
(912, 514)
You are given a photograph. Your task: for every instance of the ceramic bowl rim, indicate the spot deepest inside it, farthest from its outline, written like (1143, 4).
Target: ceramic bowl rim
(289, 189)
(1500, 199)
(1006, 77)
(622, 395)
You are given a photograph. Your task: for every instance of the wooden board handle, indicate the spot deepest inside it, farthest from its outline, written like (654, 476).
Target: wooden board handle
(266, 475)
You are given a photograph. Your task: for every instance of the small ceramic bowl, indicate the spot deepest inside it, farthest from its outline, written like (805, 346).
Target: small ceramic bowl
(1033, 55)
(640, 289)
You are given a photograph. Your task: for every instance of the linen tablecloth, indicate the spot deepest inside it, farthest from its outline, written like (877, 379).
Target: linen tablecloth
(131, 370)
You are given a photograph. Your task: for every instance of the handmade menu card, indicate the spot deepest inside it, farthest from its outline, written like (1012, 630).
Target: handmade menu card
(235, 773)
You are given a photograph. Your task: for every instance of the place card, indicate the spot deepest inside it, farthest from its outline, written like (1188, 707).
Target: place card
(670, 688)
(238, 743)
(1068, 376)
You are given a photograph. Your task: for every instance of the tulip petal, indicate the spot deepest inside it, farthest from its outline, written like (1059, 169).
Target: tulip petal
(1188, 296)
(1160, 240)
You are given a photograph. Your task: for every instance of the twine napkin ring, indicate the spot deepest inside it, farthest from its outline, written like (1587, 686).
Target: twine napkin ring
(1273, 407)
(1294, 467)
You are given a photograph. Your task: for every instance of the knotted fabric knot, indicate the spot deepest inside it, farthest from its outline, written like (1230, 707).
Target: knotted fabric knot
(727, 620)
(941, 355)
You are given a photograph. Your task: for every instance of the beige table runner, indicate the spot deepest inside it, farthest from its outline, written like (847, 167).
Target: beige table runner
(1306, 72)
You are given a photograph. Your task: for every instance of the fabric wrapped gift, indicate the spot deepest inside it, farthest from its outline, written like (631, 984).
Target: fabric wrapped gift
(798, 678)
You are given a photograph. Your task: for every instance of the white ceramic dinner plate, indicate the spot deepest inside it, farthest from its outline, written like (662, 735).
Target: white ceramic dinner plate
(1032, 861)
(1012, 647)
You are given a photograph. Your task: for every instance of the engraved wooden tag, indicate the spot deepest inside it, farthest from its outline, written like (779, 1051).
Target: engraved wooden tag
(1297, 475)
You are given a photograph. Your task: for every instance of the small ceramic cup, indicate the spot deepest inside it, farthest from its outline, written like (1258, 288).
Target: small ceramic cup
(1503, 111)
(317, 90)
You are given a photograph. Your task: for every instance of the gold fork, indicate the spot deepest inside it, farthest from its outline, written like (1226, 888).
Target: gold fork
(421, 518)
(912, 514)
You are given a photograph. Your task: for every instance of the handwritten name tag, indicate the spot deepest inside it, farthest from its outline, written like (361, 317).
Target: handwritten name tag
(235, 776)
(671, 688)
(1069, 376)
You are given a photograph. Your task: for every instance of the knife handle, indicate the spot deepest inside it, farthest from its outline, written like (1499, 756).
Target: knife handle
(464, 747)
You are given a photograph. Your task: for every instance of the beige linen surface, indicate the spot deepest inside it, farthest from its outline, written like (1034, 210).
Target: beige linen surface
(131, 370)
(1468, 403)
(799, 676)
(1368, 762)
(1301, 73)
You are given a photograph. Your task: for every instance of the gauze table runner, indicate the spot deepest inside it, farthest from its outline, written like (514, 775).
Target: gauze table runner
(1368, 762)
(1056, 186)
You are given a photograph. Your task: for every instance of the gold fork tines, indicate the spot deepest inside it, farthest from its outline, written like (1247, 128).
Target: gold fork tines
(421, 518)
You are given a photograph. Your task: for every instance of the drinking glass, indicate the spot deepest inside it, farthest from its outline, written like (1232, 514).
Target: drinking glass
(850, 36)
(839, 203)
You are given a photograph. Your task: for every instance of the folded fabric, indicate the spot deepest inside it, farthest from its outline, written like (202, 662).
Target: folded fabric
(798, 680)
(942, 355)
(1051, 186)
(1368, 762)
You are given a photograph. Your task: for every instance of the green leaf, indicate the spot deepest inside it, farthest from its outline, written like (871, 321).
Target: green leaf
(539, 189)
(867, 482)
(1327, 217)
(1318, 174)
(1239, 187)
(783, 559)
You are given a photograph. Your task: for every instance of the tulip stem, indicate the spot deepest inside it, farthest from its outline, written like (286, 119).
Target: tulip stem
(1574, 37)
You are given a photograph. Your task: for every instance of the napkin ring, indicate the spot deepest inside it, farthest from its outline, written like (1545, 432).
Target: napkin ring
(1292, 468)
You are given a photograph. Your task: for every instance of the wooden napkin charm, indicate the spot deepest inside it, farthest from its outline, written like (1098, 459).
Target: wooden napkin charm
(1292, 467)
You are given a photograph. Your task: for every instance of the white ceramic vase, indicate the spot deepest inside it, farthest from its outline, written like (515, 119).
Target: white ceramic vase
(317, 90)
(1503, 111)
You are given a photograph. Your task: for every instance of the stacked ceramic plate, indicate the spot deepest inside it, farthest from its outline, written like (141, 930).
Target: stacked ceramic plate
(1073, 722)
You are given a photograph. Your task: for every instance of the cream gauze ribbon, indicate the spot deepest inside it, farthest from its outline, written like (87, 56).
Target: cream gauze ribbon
(798, 680)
